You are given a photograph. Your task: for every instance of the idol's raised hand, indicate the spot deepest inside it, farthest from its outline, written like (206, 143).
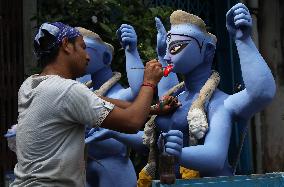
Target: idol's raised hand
(239, 22)
(127, 37)
(161, 38)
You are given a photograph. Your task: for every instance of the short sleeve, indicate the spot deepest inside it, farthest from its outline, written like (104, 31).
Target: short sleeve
(82, 106)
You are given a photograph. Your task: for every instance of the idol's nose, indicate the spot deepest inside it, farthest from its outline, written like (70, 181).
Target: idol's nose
(167, 58)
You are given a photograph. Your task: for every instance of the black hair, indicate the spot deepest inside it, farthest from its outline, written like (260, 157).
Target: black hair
(47, 49)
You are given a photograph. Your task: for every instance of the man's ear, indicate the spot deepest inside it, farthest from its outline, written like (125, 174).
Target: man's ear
(67, 46)
(209, 52)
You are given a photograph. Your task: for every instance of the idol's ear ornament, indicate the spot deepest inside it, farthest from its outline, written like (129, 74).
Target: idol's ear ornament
(210, 47)
(107, 57)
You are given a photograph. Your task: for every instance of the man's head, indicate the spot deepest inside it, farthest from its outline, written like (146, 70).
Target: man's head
(188, 42)
(57, 43)
(100, 52)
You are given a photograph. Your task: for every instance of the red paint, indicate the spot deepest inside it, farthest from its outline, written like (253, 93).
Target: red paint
(168, 70)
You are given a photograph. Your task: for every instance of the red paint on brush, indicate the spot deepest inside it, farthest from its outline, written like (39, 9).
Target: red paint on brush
(168, 70)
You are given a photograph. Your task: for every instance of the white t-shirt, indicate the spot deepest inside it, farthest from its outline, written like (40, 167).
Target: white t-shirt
(53, 112)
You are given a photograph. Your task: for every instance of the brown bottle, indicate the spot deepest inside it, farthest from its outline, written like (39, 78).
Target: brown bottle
(167, 168)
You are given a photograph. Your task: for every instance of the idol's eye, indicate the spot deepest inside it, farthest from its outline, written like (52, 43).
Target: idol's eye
(168, 37)
(176, 48)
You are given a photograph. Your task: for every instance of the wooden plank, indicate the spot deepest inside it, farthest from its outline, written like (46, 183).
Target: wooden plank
(2, 107)
(11, 75)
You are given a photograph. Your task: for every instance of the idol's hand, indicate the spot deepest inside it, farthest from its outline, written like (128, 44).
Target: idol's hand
(161, 38)
(99, 135)
(127, 37)
(11, 137)
(11, 132)
(173, 143)
(239, 22)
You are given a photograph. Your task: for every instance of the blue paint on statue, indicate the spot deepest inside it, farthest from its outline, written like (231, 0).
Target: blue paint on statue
(171, 80)
(191, 52)
(108, 154)
(109, 164)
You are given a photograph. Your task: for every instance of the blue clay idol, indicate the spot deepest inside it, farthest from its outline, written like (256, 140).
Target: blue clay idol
(108, 157)
(207, 113)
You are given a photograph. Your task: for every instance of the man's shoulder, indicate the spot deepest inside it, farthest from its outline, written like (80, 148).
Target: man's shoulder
(58, 82)
(58, 86)
(73, 89)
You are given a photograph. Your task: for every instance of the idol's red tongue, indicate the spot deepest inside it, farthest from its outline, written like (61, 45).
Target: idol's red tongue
(168, 70)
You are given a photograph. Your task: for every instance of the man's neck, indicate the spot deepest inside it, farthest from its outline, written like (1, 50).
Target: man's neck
(57, 68)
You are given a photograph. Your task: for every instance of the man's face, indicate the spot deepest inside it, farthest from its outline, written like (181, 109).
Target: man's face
(184, 48)
(80, 57)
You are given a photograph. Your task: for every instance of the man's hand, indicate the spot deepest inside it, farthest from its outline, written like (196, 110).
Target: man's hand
(153, 72)
(167, 105)
(127, 37)
(161, 38)
(239, 21)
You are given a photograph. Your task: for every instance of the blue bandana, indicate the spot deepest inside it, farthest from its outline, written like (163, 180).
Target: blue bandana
(59, 31)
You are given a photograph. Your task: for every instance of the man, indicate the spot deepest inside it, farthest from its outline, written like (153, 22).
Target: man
(53, 108)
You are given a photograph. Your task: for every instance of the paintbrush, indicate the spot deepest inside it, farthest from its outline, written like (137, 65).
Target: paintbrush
(144, 68)
(167, 69)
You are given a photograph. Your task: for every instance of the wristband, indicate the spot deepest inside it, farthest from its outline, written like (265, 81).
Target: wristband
(150, 85)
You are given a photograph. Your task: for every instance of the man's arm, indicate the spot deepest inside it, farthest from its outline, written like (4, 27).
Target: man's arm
(167, 105)
(119, 103)
(132, 118)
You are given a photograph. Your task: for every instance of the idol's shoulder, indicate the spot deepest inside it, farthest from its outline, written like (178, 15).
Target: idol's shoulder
(217, 102)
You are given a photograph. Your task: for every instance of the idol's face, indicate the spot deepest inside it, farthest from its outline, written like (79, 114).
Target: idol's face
(185, 48)
(100, 55)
